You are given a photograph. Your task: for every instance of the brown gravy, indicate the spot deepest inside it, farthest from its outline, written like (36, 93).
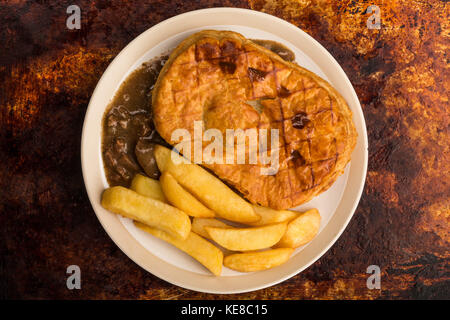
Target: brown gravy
(128, 134)
(128, 130)
(278, 48)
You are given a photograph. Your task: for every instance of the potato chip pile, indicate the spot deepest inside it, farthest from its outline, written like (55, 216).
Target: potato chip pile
(224, 230)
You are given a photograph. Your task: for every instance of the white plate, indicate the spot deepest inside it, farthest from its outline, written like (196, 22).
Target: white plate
(335, 205)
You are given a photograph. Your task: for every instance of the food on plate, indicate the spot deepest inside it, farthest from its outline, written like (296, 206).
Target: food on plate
(208, 189)
(301, 230)
(182, 199)
(200, 249)
(147, 187)
(215, 78)
(256, 261)
(151, 212)
(270, 216)
(199, 224)
(247, 239)
(222, 81)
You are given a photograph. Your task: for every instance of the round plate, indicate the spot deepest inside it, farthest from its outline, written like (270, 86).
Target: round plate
(161, 259)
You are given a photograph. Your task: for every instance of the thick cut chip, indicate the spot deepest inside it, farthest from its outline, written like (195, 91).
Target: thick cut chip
(247, 239)
(270, 216)
(301, 230)
(256, 261)
(182, 199)
(200, 249)
(199, 224)
(151, 212)
(208, 189)
(162, 156)
(147, 187)
(227, 82)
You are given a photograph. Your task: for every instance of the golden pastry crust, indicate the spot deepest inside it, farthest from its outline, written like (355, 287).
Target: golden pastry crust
(213, 77)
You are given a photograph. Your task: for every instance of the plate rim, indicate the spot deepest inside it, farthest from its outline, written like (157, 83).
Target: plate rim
(123, 242)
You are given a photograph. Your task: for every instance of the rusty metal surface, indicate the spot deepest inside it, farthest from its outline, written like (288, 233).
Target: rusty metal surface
(400, 73)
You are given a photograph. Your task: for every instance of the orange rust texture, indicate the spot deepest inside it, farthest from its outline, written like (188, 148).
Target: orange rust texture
(400, 73)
